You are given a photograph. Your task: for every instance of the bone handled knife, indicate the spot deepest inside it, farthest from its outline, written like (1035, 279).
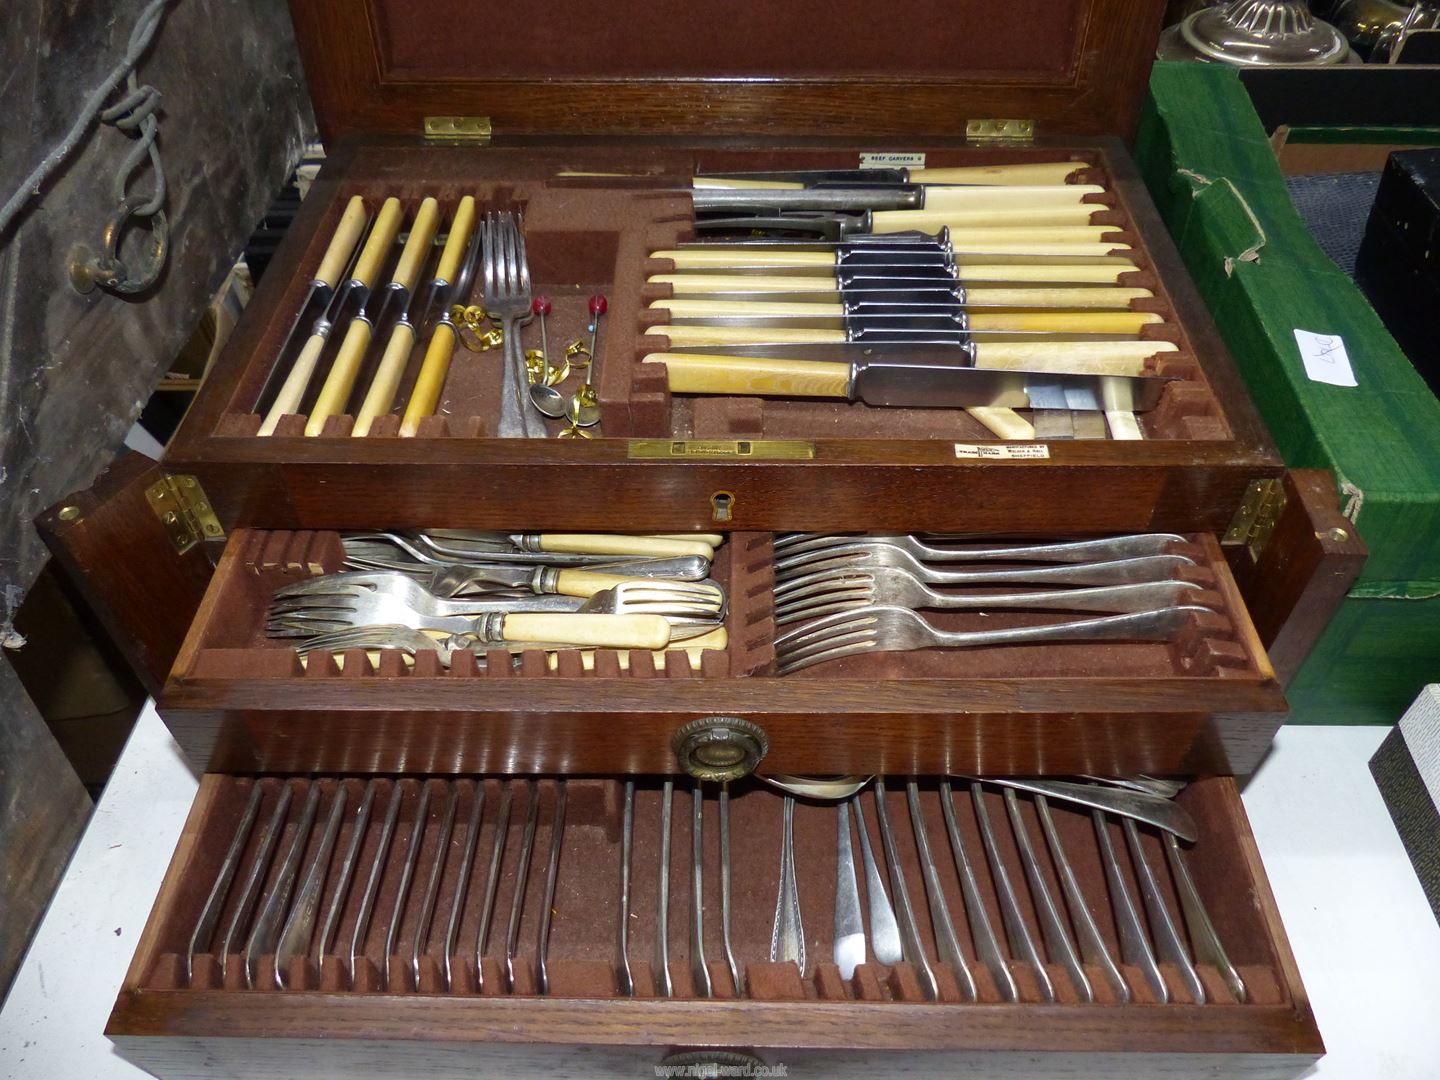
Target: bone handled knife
(340, 381)
(1027, 174)
(328, 275)
(464, 237)
(336, 299)
(976, 375)
(386, 380)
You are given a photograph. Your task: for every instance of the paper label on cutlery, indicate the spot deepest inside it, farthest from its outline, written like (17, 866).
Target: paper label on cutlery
(1002, 451)
(892, 161)
(1325, 358)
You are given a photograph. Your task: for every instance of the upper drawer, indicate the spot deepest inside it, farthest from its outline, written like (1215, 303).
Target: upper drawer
(762, 455)
(1197, 697)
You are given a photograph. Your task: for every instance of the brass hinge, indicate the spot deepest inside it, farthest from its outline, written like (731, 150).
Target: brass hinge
(474, 130)
(180, 504)
(719, 449)
(1000, 131)
(1255, 521)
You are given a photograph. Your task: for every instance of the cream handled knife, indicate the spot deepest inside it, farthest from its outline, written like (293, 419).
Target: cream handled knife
(338, 383)
(1094, 376)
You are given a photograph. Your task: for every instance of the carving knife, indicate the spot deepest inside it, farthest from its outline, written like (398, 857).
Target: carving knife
(391, 369)
(297, 380)
(333, 264)
(340, 381)
(1029, 174)
(1091, 377)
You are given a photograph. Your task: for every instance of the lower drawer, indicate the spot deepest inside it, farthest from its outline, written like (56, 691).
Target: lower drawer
(245, 967)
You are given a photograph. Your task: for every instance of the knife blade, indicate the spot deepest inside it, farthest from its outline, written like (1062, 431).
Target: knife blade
(1032, 173)
(912, 377)
(839, 226)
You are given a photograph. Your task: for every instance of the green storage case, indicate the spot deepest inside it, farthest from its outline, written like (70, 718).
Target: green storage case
(1211, 171)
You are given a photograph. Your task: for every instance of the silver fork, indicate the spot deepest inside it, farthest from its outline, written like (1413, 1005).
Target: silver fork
(801, 579)
(798, 548)
(893, 629)
(896, 587)
(507, 294)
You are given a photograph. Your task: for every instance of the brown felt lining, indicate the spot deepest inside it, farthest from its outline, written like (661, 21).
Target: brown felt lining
(583, 947)
(231, 642)
(593, 234)
(798, 39)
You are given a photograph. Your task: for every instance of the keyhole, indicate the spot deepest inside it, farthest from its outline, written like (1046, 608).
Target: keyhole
(722, 505)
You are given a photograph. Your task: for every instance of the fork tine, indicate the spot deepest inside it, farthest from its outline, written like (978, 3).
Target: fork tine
(523, 258)
(824, 605)
(853, 648)
(491, 263)
(819, 581)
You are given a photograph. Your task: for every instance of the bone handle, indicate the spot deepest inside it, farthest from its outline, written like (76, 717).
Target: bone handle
(701, 373)
(706, 284)
(1012, 199)
(1097, 274)
(713, 539)
(1006, 423)
(382, 237)
(430, 381)
(982, 238)
(457, 241)
(1048, 172)
(1081, 358)
(1065, 322)
(341, 379)
(696, 259)
(417, 245)
(616, 544)
(387, 379)
(347, 234)
(1113, 297)
(602, 631)
(690, 309)
(288, 400)
(585, 582)
(689, 337)
(974, 215)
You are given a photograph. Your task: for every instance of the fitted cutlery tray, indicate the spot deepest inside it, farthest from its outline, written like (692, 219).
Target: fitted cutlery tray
(771, 458)
(1206, 700)
(596, 234)
(174, 1010)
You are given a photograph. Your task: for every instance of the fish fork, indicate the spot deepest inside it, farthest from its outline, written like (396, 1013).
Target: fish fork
(893, 629)
(806, 577)
(617, 596)
(893, 587)
(507, 294)
(796, 549)
(358, 599)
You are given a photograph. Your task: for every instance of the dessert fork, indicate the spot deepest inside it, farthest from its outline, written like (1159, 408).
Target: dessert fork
(800, 580)
(891, 586)
(507, 294)
(797, 549)
(895, 629)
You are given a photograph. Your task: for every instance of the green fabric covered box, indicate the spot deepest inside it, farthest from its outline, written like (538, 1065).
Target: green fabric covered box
(1211, 171)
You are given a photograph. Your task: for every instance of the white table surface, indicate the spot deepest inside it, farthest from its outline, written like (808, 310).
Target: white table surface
(1366, 941)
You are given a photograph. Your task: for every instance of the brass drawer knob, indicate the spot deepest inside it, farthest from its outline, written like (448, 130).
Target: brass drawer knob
(720, 748)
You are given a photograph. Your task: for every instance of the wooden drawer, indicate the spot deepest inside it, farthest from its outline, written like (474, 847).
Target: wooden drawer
(1204, 701)
(182, 1019)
